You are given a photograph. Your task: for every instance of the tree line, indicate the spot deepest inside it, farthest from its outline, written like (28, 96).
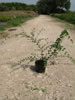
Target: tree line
(53, 6)
(16, 6)
(42, 6)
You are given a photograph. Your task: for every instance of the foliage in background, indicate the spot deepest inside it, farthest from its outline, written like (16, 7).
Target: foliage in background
(52, 6)
(68, 16)
(16, 6)
(14, 20)
(4, 18)
(17, 20)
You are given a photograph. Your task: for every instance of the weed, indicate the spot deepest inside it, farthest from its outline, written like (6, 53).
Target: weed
(44, 90)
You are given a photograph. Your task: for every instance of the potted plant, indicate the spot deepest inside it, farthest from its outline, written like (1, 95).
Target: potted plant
(40, 65)
(47, 51)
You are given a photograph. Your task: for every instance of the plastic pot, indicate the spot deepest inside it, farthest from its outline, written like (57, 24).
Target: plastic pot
(40, 65)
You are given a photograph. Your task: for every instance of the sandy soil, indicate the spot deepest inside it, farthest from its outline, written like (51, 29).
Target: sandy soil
(19, 82)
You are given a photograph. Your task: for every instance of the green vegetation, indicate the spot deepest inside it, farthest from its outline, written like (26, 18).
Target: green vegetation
(53, 6)
(17, 20)
(2, 28)
(14, 14)
(16, 6)
(14, 20)
(4, 18)
(68, 17)
(46, 50)
(34, 88)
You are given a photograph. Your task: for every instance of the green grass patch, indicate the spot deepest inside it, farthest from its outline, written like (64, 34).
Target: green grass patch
(15, 20)
(4, 18)
(18, 20)
(2, 28)
(68, 17)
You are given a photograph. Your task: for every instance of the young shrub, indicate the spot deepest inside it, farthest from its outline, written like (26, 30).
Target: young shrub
(47, 51)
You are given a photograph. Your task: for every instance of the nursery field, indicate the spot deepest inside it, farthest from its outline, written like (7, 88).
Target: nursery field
(68, 17)
(14, 18)
(18, 79)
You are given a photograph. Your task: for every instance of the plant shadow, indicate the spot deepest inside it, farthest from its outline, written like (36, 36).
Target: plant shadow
(31, 67)
(24, 67)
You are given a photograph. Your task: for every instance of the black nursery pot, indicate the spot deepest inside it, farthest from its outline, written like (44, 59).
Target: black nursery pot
(40, 66)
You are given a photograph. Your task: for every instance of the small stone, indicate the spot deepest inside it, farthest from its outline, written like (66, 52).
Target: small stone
(69, 85)
(40, 92)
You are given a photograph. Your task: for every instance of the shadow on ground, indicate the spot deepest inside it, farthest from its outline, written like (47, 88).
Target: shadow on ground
(16, 66)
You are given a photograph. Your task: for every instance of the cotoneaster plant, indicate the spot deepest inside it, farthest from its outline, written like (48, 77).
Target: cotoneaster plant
(47, 51)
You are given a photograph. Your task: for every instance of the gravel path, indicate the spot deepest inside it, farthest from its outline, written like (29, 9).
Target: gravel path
(19, 82)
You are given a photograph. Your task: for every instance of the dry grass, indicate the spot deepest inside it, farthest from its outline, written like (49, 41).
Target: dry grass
(15, 18)
(11, 13)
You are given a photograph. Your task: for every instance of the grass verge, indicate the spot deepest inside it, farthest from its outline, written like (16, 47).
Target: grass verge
(14, 20)
(68, 17)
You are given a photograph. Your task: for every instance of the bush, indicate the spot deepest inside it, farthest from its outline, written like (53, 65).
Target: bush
(47, 51)
(53, 6)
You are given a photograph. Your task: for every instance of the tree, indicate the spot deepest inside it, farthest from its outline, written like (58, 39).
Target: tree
(3, 7)
(17, 6)
(52, 6)
(67, 5)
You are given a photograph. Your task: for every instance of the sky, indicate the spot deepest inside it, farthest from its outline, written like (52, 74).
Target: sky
(34, 1)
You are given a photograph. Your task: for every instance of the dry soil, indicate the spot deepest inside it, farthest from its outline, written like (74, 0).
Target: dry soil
(18, 81)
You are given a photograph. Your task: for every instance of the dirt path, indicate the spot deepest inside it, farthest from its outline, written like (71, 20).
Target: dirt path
(19, 82)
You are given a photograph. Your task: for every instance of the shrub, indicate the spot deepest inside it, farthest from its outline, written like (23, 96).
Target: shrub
(52, 6)
(47, 51)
